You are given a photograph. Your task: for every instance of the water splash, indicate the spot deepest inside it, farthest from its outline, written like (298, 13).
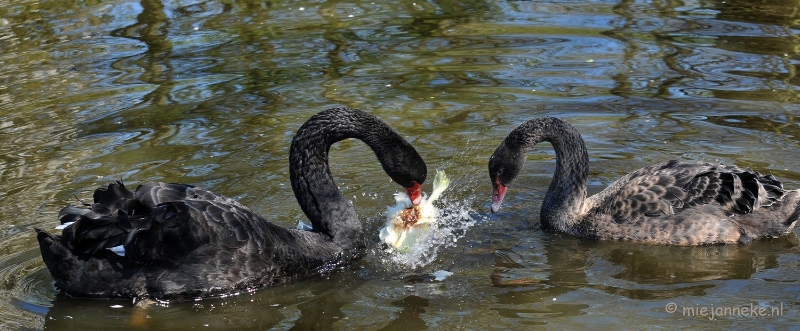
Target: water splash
(401, 234)
(457, 216)
(453, 222)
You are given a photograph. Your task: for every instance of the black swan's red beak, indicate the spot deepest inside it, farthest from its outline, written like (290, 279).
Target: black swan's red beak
(415, 193)
(498, 193)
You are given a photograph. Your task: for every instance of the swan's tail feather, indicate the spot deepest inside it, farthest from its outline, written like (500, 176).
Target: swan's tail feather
(743, 191)
(772, 185)
(114, 214)
(55, 255)
(115, 199)
(82, 251)
(94, 234)
(88, 275)
(70, 214)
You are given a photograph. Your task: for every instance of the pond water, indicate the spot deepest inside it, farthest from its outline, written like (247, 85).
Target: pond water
(211, 92)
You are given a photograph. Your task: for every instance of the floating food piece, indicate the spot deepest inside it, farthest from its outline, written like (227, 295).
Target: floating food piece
(405, 223)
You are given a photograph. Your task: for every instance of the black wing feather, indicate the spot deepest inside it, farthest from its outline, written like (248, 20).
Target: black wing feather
(157, 221)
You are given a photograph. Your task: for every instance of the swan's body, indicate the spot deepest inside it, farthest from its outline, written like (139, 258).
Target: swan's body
(676, 202)
(183, 241)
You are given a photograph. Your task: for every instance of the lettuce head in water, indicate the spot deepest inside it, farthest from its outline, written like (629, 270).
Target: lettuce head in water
(406, 223)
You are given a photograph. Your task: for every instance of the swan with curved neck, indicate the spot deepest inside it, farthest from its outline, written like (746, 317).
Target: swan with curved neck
(176, 241)
(675, 202)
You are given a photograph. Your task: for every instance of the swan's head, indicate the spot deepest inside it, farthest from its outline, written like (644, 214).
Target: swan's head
(407, 168)
(504, 166)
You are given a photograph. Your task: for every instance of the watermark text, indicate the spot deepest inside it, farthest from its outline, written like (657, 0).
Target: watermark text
(713, 312)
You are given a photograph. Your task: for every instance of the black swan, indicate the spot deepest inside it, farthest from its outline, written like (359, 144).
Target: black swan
(180, 241)
(675, 202)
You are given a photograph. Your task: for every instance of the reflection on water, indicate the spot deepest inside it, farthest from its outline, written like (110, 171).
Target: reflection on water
(210, 93)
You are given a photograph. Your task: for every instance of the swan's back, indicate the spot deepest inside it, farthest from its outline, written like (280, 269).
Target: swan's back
(689, 203)
(165, 239)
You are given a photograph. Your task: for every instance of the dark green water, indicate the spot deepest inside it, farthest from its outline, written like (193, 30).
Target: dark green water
(211, 93)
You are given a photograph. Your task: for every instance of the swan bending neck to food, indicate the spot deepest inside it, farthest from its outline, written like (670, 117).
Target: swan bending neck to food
(675, 202)
(180, 241)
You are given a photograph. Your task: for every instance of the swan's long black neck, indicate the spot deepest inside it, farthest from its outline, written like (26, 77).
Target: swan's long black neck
(322, 202)
(567, 193)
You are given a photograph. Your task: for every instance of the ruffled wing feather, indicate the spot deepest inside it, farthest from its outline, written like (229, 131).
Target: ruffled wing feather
(668, 188)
